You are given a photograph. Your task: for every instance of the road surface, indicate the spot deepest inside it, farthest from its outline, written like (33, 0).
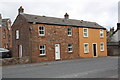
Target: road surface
(101, 67)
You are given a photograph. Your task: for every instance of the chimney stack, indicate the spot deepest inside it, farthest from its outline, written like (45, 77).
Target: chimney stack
(66, 16)
(20, 10)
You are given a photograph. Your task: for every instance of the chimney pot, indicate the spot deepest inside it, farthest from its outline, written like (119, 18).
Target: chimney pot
(20, 10)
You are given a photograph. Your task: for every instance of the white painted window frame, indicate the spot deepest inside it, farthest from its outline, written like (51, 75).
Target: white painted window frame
(87, 48)
(41, 30)
(85, 32)
(43, 49)
(101, 46)
(70, 31)
(17, 32)
(70, 47)
(101, 32)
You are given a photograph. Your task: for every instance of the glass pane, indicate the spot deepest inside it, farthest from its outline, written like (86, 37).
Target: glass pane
(85, 30)
(85, 34)
(40, 51)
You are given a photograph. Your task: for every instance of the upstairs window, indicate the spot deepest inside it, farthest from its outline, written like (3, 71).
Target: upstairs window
(70, 48)
(86, 48)
(101, 33)
(42, 50)
(69, 31)
(4, 34)
(17, 34)
(102, 46)
(85, 32)
(41, 31)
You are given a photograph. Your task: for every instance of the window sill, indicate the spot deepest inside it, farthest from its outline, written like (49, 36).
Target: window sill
(102, 50)
(42, 55)
(70, 52)
(85, 36)
(69, 35)
(86, 52)
(101, 37)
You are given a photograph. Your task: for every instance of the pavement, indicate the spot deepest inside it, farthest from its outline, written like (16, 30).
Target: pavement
(101, 67)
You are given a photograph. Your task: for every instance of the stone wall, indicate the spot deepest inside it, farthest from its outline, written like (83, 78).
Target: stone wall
(113, 48)
(13, 61)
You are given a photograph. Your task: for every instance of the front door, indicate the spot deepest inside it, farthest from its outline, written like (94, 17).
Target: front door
(57, 51)
(20, 50)
(94, 50)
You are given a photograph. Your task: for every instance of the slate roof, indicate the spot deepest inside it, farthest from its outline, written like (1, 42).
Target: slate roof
(60, 21)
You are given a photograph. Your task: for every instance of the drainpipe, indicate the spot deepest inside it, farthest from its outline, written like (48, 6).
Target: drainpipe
(30, 43)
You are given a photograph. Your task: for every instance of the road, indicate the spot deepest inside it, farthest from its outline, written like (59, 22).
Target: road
(101, 67)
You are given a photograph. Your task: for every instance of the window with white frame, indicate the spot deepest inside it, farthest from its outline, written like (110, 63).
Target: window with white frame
(86, 48)
(101, 33)
(69, 31)
(70, 48)
(101, 46)
(85, 32)
(4, 34)
(41, 30)
(42, 50)
(17, 34)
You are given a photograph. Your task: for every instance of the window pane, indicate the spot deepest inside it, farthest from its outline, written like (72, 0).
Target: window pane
(41, 30)
(69, 31)
(40, 51)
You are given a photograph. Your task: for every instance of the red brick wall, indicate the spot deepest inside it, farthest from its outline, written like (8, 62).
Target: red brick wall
(54, 34)
(6, 38)
(23, 27)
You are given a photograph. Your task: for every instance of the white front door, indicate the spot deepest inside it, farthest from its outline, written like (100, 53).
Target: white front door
(57, 51)
(20, 50)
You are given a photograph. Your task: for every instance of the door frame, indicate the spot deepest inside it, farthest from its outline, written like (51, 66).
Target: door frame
(93, 50)
(59, 52)
(20, 50)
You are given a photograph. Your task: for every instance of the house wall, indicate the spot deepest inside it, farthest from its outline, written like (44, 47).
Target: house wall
(54, 34)
(94, 37)
(0, 37)
(6, 42)
(23, 27)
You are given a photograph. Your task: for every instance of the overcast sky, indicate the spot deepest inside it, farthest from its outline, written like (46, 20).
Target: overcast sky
(104, 12)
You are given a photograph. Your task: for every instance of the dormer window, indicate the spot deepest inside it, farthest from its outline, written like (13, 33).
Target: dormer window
(41, 31)
(69, 31)
(101, 33)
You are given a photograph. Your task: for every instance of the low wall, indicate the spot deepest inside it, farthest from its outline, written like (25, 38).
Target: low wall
(113, 48)
(12, 61)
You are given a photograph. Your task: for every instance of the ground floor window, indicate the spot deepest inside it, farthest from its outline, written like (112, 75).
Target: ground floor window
(86, 48)
(42, 49)
(101, 46)
(70, 48)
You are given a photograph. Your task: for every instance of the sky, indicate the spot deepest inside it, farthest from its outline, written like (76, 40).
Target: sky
(104, 12)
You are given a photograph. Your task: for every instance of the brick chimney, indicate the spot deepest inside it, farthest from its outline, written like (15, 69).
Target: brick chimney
(20, 10)
(66, 16)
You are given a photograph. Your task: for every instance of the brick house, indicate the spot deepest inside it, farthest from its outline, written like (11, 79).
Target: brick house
(5, 33)
(44, 38)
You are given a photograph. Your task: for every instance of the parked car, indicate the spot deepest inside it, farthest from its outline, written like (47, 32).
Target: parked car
(4, 53)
